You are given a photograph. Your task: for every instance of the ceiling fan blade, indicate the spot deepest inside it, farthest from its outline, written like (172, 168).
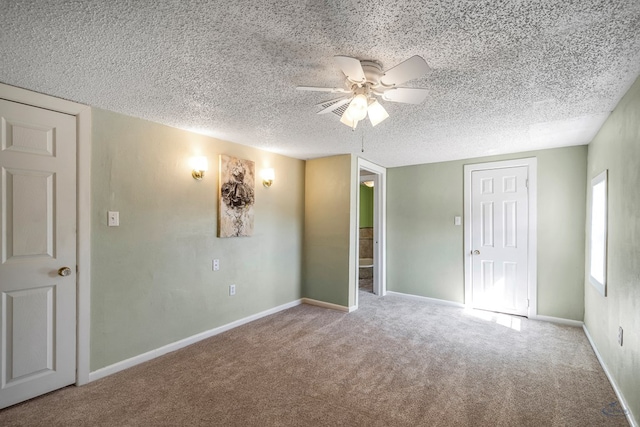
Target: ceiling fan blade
(329, 106)
(323, 89)
(329, 102)
(351, 68)
(408, 95)
(410, 69)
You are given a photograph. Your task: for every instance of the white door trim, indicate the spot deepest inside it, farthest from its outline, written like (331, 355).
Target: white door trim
(83, 123)
(532, 165)
(379, 174)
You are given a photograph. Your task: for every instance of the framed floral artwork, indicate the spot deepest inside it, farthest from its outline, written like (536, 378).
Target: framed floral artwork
(236, 197)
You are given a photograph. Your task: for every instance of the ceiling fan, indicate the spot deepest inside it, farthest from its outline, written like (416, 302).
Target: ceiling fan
(365, 82)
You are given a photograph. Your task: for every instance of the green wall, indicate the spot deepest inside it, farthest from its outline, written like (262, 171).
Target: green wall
(617, 148)
(329, 232)
(151, 278)
(425, 248)
(366, 206)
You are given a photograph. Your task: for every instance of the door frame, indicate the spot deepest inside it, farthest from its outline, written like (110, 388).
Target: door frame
(83, 219)
(362, 178)
(379, 175)
(531, 163)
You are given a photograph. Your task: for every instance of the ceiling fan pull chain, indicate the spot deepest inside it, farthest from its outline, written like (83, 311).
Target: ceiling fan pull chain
(363, 140)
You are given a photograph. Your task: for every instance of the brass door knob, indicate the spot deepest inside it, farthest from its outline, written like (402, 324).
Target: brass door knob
(476, 252)
(64, 271)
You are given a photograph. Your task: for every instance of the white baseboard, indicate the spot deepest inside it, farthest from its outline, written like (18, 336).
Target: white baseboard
(623, 402)
(145, 357)
(328, 305)
(433, 300)
(558, 320)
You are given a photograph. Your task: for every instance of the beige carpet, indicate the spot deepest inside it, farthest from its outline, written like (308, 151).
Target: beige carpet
(393, 362)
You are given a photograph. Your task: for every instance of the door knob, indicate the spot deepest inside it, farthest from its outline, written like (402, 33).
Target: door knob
(476, 252)
(64, 271)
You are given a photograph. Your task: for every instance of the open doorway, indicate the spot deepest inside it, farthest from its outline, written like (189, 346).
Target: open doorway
(371, 225)
(365, 232)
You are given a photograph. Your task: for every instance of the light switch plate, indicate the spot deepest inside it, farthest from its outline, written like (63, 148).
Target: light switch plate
(113, 219)
(457, 220)
(620, 339)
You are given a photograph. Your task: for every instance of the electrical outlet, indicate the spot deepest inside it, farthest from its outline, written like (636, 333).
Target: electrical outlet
(620, 335)
(216, 264)
(232, 290)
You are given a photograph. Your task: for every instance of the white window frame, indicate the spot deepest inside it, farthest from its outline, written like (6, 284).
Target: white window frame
(600, 212)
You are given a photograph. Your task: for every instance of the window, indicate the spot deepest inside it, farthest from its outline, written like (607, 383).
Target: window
(598, 244)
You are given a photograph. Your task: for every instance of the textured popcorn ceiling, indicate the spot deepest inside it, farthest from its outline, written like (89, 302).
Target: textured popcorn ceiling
(507, 76)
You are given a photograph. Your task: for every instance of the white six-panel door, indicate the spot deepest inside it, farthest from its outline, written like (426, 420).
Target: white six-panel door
(38, 238)
(499, 233)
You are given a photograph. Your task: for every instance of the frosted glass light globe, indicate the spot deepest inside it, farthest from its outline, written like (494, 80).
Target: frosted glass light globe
(358, 107)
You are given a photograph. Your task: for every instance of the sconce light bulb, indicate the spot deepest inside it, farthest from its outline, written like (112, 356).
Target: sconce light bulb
(267, 177)
(200, 166)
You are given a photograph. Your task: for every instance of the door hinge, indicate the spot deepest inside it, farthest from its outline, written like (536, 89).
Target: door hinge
(526, 183)
(527, 302)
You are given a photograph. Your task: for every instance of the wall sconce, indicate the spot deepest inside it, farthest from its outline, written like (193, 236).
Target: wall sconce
(200, 166)
(267, 177)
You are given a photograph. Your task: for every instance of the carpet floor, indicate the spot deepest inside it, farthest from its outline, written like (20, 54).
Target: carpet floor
(393, 362)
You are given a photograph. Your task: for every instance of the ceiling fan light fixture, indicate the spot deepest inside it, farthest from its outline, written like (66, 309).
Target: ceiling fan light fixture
(365, 80)
(377, 113)
(347, 120)
(358, 107)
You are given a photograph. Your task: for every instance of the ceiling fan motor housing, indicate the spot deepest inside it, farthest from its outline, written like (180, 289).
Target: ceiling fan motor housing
(372, 72)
